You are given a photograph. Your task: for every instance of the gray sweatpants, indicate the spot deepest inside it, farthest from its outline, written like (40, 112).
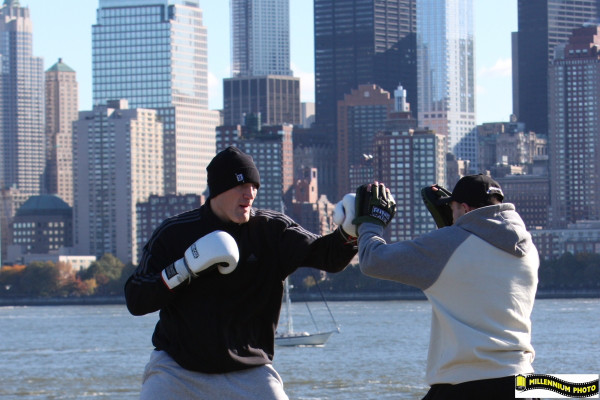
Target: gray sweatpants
(164, 379)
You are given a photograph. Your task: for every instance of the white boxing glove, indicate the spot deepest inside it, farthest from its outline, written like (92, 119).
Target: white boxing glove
(343, 214)
(217, 249)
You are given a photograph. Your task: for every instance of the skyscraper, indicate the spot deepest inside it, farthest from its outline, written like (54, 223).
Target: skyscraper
(22, 142)
(574, 100)
(154, 54)
(61, 110)
(542, 25)
(361, 114)
(446, 72)
(408, 160)
(362, 42)
(260, 32)
(262, 80)
(118, 163)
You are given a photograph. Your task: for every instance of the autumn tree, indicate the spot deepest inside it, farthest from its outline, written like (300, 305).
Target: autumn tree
(40, 279)
(107, 273)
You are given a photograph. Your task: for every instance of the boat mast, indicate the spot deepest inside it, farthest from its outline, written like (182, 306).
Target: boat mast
(288, 306)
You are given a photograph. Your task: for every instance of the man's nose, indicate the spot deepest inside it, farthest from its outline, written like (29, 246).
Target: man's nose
(250, 192)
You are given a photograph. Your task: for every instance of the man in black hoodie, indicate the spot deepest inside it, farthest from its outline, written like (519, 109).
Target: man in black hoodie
(216, 274)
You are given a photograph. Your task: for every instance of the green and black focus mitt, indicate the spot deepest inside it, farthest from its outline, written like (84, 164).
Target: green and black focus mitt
(376, 206)
(435, 198)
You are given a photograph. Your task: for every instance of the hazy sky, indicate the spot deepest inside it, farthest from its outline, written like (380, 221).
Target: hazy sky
(62, 29)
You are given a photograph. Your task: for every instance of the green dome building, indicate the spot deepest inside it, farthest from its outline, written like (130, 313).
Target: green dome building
(42, 225)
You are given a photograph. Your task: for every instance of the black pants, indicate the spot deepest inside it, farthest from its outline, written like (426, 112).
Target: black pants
(488, 389)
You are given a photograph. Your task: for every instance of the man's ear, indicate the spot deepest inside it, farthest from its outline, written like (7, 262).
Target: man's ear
(467, 207)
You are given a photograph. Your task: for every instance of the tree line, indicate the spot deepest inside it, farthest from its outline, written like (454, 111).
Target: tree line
(107, 277)
(104, 277)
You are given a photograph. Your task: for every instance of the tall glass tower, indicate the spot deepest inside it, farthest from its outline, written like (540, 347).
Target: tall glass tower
(153, 53)
(262, 81)
(446, 72)
(22, 141)
(260, 31)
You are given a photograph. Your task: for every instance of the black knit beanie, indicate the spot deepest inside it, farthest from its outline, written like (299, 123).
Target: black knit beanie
(229, 168)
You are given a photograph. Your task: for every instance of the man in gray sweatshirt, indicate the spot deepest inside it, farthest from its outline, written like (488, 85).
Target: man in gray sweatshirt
(480, 276)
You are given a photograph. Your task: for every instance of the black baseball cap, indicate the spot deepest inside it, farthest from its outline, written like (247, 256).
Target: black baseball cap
(475, 190)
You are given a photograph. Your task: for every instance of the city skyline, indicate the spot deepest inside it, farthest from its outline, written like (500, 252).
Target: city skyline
(126, 41)
(52, 24)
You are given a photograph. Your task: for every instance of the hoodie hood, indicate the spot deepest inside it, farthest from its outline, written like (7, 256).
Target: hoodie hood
(500, 225)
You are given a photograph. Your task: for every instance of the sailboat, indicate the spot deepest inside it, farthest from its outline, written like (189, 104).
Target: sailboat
(289, 337)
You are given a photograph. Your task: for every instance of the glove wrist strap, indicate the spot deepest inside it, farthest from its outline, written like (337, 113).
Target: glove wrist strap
(348, 239)
(187, 267)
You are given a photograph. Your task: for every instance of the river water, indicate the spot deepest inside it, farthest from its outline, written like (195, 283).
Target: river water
(99, 352)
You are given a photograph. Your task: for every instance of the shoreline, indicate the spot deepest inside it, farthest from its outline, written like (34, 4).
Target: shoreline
(372, 296)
